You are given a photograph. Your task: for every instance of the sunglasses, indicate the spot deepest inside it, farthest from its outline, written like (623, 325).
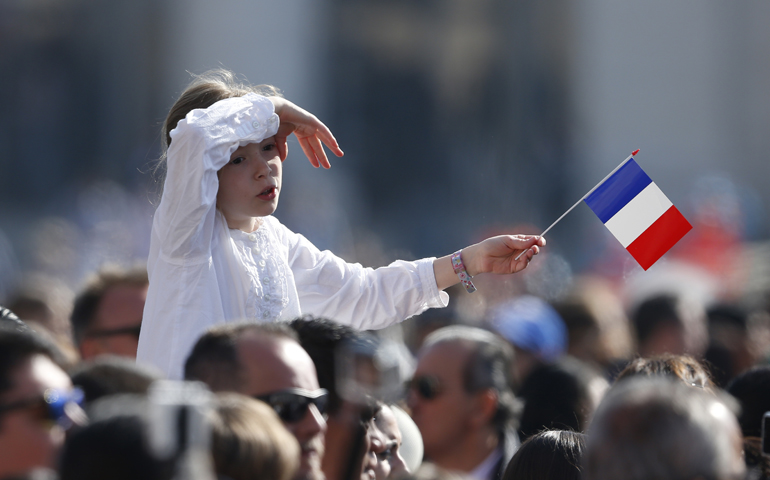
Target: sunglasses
(291, 405)
(52, 405)
(426, 386)
(112, 332)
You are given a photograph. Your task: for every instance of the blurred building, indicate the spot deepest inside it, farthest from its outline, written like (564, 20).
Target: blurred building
(458, 117)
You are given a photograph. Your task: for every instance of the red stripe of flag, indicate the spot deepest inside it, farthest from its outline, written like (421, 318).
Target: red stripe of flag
(659, 237)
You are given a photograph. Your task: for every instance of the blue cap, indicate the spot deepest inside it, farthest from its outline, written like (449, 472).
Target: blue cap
(533, 325)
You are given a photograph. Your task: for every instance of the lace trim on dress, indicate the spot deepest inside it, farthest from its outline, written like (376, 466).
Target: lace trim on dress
(268, 291)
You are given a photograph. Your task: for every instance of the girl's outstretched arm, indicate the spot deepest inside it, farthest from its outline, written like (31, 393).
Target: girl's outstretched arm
(309, 131)
(493, 255)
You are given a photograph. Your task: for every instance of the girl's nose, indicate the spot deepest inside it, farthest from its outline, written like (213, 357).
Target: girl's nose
(263, 169)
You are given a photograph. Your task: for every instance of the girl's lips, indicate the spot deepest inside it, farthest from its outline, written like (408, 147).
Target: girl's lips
(268, 194)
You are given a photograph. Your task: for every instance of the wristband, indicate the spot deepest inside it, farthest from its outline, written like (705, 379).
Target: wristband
(459, 268)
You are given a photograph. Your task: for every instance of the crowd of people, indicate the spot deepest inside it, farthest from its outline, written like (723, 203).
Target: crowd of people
(518, 397)
(242, 351)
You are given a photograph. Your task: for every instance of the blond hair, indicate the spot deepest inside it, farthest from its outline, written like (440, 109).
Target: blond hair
(205, 90)
(249, 441)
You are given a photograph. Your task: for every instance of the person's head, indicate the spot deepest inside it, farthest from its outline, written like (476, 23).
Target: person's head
(320, 338)
(669, 324)
(680, 367)
(386, 442)
(461, 389)
(108, 312)
(204, 91)
(44, 300)
(535, 330)
(110, 375)
(250, 183)
(249, 441)
(732, 349)
(561, 395)
(752, 390)
(659, 428)
(323, 339)
(37, 401)
(116, 444)
(549, 455)
(44, 303)
(265, 361)
(598, 329)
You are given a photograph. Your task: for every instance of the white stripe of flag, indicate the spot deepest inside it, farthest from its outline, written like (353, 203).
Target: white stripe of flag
(638, 214)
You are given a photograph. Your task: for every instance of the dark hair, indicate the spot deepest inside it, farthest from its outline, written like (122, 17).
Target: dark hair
(320, 338)
(681, 367)
(17, 344)
(752, 390)
(549, 455)
(108, 375)
(488, 366)
(88, 300)
(653, 313)
(558, 396)
(214, 358)
(728, 326)
(115, 446)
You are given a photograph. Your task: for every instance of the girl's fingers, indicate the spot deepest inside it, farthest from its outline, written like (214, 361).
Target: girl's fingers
(309, 153)
(326, 137)
(310, 132)
(283, 147)
(320, 154)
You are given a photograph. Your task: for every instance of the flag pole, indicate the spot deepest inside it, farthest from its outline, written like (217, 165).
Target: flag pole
(583, 197)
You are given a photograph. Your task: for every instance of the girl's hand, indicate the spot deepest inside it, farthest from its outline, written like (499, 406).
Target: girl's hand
(307, 128)
(497, 254)
(493, 255)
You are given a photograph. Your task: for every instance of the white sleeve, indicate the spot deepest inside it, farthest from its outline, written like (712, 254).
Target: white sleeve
(201, 144)
(364, 298)
(184, 297)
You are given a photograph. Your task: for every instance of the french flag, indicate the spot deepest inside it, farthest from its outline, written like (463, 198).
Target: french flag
(637, 212)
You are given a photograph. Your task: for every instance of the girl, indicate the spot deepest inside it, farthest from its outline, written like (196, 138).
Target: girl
(217, 254)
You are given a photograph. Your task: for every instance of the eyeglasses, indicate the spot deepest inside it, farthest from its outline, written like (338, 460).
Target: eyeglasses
(52, 405)
(426, 386)
(292, 404)
(111, 332)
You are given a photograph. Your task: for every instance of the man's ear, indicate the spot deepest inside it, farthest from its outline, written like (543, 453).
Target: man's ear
(487, 401)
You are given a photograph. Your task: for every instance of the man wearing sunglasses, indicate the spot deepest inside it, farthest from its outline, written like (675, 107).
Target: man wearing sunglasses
(266, 362)
(37, 402)
(462, 402)
(107, 314)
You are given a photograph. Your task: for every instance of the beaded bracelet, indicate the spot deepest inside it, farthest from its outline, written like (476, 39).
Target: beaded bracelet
(459, 268)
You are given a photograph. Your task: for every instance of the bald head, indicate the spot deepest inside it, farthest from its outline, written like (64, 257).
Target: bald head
(214, 360)
(269, 364)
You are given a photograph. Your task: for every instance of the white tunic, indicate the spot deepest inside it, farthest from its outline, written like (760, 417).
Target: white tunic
(202, 273)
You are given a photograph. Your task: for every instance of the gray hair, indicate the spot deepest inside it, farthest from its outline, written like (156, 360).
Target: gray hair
(656, 428)
(488, 367)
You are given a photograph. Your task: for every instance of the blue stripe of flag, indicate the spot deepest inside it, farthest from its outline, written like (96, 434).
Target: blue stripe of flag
(618, 190)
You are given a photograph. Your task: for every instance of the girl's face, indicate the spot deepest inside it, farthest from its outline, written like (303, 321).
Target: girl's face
(249, 185)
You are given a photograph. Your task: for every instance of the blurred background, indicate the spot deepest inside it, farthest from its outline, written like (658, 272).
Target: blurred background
(459, 119)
